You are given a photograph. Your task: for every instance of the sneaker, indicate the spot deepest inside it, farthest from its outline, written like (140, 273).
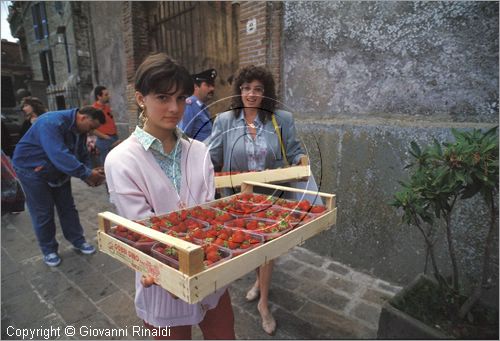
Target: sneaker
(52, 259)
(86, 248)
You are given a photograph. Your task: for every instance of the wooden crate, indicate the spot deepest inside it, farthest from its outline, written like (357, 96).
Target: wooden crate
(266, 176)
(191, 283)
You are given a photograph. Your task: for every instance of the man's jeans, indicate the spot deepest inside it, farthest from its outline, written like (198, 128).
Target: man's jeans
(40, 199)
(104, 146)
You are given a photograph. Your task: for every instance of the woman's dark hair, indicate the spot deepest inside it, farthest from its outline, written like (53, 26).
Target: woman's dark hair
(247, 75)
(37, 105)
(159, 73)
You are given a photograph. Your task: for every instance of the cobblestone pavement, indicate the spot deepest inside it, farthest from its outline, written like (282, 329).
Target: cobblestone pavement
(311, 297)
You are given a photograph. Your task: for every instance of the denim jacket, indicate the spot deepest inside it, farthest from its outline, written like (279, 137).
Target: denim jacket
(227, 145)
(53, 149)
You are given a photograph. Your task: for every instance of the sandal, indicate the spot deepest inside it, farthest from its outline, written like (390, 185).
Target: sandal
(269, 324)
(253, 294)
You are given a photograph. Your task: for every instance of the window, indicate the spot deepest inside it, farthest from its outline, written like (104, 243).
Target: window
(40, 25)
(47, 64)
(60, 102)
(58, 6)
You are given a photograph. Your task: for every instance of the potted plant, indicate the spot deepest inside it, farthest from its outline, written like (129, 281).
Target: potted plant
(441, 175)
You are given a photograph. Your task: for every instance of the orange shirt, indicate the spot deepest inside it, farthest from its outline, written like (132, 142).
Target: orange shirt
(109, 127)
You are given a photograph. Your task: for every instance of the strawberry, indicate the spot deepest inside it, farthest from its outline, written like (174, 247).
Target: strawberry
(252, 225)
(245, 245)
(219, 242)
(232, 245)
(213, 256)
(184, 214)
(318, 209)
(173, 218)
(120, 228)
(224, 217)
(198, 234)
(238, 237)
(223, 235)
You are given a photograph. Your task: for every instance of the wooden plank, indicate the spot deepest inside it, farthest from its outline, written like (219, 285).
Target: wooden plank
(206, 282)
(167, 277)
(265, 176)
(289, 189)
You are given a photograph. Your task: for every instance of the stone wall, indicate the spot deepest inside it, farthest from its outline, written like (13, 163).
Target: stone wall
(361, 161)
(435, 60)
(364, 79)
(106, 19)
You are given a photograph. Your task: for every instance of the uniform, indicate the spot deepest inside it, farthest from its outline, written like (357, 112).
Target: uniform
(196, 122)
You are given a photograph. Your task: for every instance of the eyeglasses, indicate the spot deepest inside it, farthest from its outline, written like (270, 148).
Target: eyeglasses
(258, 90)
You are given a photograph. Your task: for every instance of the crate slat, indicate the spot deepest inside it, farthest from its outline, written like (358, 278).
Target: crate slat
(270, 175)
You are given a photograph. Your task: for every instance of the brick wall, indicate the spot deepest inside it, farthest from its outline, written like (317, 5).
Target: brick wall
(136, 49)
(263, 46)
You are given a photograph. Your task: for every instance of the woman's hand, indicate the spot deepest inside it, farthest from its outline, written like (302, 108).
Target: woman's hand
(148, 281)
(303, 161)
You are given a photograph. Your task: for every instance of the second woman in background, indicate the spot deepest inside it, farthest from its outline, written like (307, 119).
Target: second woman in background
(255, 136)
(32, 108)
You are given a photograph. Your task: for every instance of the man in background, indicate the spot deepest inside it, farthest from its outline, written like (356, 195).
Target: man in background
(47, 156)
(106, 134)
(196, 122)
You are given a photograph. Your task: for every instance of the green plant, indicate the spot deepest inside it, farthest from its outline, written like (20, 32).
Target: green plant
(440, 175)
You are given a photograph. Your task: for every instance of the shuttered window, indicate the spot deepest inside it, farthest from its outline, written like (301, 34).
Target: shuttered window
(40, 24)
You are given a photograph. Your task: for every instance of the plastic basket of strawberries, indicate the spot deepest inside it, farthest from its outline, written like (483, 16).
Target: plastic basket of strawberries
(132, 238)
(169, 255)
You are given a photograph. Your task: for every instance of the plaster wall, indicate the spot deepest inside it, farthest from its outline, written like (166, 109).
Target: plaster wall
(361, 162)
(110, 57)
(435, 60)
(364, 79)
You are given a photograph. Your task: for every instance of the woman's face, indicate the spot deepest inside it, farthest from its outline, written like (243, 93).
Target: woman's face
(163, 111)
(251, 94)
(28, 109)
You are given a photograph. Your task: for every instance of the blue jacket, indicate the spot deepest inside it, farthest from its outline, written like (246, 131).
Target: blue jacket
(227, 147)
(196, 120)
(53, 148)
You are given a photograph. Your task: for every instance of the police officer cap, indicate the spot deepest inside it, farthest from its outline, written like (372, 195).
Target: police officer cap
(206, 76)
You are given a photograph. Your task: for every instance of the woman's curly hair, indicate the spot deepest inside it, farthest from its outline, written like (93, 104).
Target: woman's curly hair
(247, 75)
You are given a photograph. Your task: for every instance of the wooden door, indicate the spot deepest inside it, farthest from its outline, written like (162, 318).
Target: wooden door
(200, 35)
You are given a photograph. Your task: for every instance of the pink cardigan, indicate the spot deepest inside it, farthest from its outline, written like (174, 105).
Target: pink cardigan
(139, 188)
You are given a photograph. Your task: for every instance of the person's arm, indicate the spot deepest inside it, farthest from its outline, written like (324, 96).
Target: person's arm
(52, 142)
(124, 191)
(100, 135)
(294, 150)
(215, 144)
(210, 176)
(128, 198)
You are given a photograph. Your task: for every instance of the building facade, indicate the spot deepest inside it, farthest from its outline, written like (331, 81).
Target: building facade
(57, 42)
(363, 80)
(15, 72)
